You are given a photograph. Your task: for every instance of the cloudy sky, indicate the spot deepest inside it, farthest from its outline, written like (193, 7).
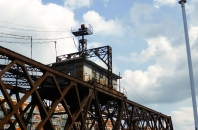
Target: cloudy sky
(147, 38)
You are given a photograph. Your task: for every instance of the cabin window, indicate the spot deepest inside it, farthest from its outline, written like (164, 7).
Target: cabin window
(94, 74)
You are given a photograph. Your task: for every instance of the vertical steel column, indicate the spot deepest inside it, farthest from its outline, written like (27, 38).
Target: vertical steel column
(109, 54)
(182, 2)
(98, 111)
(119, 116)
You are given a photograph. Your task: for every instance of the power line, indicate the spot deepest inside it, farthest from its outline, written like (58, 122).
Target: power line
(138, 95)
(41, 34)
(54, 38)
(14, 35)
(27, 42)
(75, 44)
(28, 26)
(15, 42)
(32, 30)
(19, 37)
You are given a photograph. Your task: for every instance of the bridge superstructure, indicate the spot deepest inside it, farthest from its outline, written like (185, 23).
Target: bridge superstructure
(88, 106)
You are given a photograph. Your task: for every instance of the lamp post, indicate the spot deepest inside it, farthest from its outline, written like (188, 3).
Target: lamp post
(182, 2)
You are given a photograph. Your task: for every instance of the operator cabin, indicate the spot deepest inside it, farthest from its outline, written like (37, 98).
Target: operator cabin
(86, 70)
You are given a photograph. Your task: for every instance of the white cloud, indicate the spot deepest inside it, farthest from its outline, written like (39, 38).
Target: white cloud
(26, 11)
(74, 4)
(110, 27)
(94, 45)
(146, 25)
(193, 34)
(192, 9)
(158, 48)
(48, 17)
(183, 118)
(106, 0)
(168, 73)
(141, 11)
(158, 3)
(165, 56)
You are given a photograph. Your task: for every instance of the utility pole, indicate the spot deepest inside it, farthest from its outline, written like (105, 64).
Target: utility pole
(31, 47)
(182, 2)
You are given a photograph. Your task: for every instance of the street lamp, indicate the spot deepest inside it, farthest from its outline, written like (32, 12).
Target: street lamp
(182, 2)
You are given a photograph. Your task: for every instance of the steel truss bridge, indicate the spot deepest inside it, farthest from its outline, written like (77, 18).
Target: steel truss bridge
(46, 88)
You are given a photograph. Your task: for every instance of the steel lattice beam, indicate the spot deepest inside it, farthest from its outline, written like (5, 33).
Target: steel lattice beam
(82, 102)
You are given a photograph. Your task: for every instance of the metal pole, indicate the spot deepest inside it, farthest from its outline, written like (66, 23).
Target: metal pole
(31, 47)
(56, 51)
(182, 2)
(119, 82)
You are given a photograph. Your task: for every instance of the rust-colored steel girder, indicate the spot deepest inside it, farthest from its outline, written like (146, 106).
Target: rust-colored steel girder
(87, 106)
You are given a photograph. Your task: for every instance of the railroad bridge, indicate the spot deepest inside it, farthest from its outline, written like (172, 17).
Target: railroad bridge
(87, 106)
(65, 102)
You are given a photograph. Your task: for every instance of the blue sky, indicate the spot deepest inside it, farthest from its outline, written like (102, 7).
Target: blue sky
(147, 38)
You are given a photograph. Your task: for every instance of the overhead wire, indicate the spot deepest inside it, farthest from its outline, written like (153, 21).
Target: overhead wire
(28, 26)
(31, 30)
(42, 35)
(30, 37)
(15, 42)
(14, 35)
(22, 37)
(53, 38)
(75, 43)
(27, 42)
(138, 96)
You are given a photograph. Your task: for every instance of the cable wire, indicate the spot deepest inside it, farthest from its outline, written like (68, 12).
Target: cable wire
(75, 44)
(54, 38)
(14, 35)
(27, 26)
(27, 42)
(22, 37)
(31, 30)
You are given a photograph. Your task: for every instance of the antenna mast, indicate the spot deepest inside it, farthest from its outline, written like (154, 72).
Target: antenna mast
(82, 46)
